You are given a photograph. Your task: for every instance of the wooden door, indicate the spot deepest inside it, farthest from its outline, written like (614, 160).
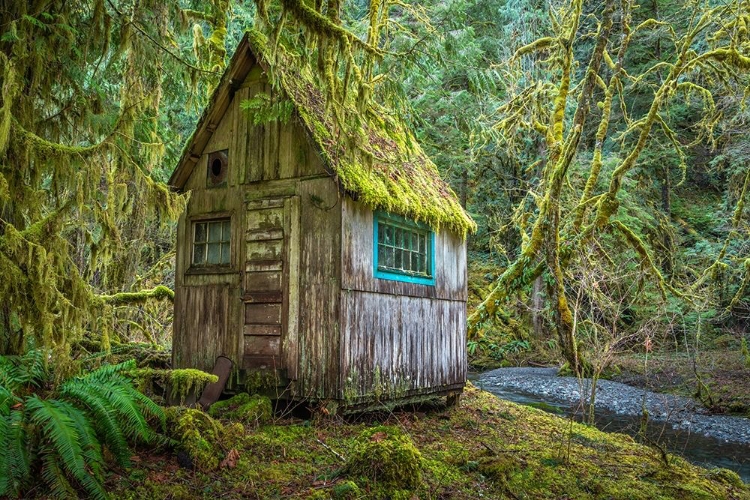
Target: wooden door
(270, 284)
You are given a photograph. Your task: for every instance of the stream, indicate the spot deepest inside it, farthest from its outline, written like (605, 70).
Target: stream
(683, 426)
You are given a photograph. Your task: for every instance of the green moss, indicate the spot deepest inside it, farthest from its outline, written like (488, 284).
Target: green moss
(261, 381)
(181, 381)
(373, 154)
(151, 489)
(387, 457)
(204, 439)
(251, 410)
(482, 448)
(347, 490)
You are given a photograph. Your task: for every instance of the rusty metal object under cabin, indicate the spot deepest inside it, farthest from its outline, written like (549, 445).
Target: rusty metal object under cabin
(212, 392)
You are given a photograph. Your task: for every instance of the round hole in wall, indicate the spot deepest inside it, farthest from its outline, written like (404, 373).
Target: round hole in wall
(216, 167)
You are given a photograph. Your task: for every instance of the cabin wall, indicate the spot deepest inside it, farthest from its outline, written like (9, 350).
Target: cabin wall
(275, 308)
(399, 339)
(207, 305)
(320, 286)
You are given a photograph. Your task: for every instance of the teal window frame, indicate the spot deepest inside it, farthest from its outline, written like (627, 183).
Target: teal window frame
(392, 273)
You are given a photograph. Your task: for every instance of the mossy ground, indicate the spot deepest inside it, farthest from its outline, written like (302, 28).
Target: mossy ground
(484, 447)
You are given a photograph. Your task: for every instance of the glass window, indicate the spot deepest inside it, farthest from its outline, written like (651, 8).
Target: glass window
(211, 243)
(403, 248)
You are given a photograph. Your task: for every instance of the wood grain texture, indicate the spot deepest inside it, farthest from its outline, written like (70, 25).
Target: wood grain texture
(357, 260)
(319, 285)
(266, 314)
(204, 328)
(395, 346)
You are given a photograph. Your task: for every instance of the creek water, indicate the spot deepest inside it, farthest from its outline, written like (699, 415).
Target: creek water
(696, 448)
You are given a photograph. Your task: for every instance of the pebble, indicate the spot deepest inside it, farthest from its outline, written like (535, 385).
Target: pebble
(678, 411)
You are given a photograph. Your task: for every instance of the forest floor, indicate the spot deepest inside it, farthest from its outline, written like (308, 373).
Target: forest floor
(482, 448)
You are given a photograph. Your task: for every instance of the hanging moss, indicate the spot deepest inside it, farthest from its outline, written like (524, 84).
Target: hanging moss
(372, 154)
(181, 382)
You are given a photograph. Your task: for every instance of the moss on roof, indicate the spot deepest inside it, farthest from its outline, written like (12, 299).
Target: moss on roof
(373, 154)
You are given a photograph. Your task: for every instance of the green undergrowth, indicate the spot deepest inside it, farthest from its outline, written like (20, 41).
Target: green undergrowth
(484, 447)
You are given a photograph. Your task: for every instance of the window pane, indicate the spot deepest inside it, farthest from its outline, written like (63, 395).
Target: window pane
(415, 262)
(398, 239)
(388, 235)
(388, 261)
(214, 253)
(421, 243)
(226, 231)
(381, 255)
(200, 233)
(214, 231)
(199, 254)
(399, 254)
(225, 253)
(381, 233)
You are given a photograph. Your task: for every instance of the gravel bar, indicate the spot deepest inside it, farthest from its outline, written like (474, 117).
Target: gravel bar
(680, 412)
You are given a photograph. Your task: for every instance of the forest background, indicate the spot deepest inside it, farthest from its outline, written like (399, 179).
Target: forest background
(602, 147)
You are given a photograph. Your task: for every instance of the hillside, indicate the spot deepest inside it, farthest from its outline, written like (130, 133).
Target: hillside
(484, 448)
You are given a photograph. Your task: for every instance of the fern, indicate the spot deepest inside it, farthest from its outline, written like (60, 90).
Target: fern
(106, 421)
(62, 431)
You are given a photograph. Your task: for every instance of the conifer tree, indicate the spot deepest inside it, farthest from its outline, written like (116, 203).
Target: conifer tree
(82, 136)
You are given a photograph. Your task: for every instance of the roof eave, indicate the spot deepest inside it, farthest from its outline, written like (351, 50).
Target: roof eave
(242, 62)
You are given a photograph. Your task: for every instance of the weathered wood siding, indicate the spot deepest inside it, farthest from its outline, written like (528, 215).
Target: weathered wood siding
(300, 294)
(255, 319)
(399, 339)
(319, 289)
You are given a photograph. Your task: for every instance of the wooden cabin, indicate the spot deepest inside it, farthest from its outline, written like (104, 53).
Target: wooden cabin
(333, 261)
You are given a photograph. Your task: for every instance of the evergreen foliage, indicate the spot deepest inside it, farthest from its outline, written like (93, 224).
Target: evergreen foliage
(90, 93)
(62, 431)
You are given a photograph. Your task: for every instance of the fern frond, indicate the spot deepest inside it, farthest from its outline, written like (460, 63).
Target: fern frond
(7, 400)
(107, 371)
(54, 477)
(15, 460)
(91, 449)
(70, 438)
(21, 371)
(60, 430)
(91, 396)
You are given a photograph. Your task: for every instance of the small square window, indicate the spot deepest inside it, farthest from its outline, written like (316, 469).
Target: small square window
(211, 243)
(403, 250)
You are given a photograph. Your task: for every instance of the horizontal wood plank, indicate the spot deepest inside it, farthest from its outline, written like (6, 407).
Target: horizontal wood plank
(264, 234)
(264, 203)
(263, 297)
(266, 362)
(272, 218)
(268, 314)
(264, 250)
(263, 281)
(274, 330)
(263, 265)
(262, 345)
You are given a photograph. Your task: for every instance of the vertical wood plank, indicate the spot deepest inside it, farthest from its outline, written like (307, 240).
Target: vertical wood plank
(292, 236)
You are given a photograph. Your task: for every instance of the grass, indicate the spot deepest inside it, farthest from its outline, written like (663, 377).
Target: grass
(483, 448)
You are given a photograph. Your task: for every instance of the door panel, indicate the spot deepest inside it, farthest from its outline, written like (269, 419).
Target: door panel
(271, 225)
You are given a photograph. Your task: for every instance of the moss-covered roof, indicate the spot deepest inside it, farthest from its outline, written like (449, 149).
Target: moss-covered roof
(376, 160)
